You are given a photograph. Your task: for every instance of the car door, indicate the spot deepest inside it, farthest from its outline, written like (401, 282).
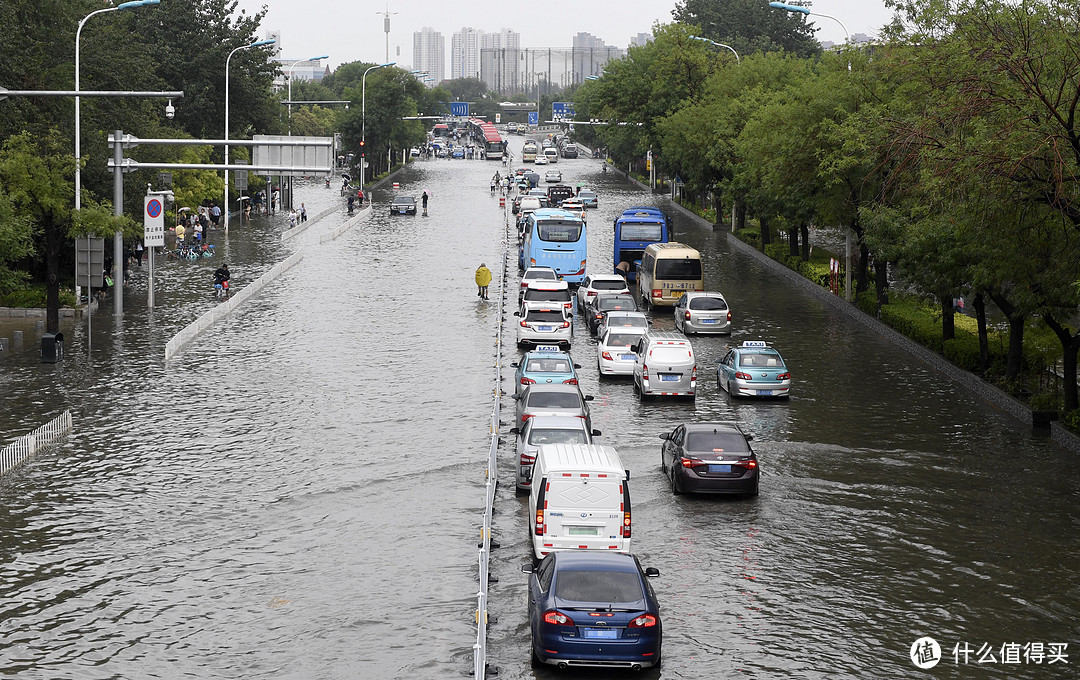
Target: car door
(727, 366)
(582, 290)
(680, 309)
(539, 584)
(667, 450)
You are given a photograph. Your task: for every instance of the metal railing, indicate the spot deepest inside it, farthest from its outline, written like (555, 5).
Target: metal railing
(29, 444)
(492, 473)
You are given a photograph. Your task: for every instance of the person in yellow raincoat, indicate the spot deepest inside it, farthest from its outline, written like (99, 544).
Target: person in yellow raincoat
(483, 279)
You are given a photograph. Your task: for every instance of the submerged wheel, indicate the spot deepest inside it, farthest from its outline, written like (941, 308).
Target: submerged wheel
(674, 488)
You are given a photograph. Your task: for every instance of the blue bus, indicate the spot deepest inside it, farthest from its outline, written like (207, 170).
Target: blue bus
(554, 238)
(635, 229)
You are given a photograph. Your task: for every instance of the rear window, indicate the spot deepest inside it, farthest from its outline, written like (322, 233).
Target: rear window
(540, 295)
(761, 360)
(622, 339)
(536, 315)
(567, 400)
(559, 232)
(622, 302)
(541, 274)
(629, 321)
(598, 586)
(708, 303)
(609, 285)
(685, 269)
(642, 232)
(559, 436)
(548, 366)
(670, 354)
(716, 442)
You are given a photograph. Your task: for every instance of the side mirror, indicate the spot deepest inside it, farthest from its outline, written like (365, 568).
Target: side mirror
(514, 430)
(749, 437)
(588, 397)
(528, 569)
(517, 313)
(596, 433)
(627, 474)
(514, 364)
(652, 572)
(577, 365)
(666, 435)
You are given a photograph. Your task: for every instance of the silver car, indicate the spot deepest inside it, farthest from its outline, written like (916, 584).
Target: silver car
(544, 323)
(540, 430)
(543, 399)
(614, 351)
(703, 312)
(637, 322)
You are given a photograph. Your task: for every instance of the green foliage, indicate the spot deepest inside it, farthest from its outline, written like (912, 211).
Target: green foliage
(1072, 419)
(749, 26)
(34, 297)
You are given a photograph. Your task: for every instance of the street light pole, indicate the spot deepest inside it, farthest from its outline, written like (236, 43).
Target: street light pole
(290, 84)
(716, 44)
(257, 43)
(363, 118)
(847, 230)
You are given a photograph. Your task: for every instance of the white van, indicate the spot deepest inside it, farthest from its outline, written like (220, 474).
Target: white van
(664, 364)
(667, 271)
(552, 154)
(579, 500)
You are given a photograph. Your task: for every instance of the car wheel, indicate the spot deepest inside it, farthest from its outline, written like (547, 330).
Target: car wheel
(674, 486)
(719, 386)
(663, 463)
(754, 493)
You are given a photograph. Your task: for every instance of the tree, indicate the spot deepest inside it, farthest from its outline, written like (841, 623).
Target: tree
(749, 26)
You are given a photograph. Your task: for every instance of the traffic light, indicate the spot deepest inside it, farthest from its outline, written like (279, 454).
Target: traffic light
(361, 148)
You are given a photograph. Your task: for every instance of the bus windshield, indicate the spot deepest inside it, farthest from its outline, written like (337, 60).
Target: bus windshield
(642, 231)
(559, 231)
(685, 269)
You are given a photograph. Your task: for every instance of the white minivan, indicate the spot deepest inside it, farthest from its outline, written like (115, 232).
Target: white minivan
(552, 154)
(579, 499)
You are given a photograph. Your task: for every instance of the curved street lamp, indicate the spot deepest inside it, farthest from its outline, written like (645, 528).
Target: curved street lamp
(291, 67)
(363, 118)
(716, 44)
(257, 43)
(78, 118)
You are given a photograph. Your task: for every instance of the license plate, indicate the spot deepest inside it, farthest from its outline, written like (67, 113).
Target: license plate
(708, 321)
(402, 211)
(720, 468)
(626, 357)
(544, 329)
(677, 293)
(669, 377)
(600, 633)
(582, 531)
(764, 393)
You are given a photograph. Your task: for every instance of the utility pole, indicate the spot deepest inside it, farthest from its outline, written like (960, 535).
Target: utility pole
(386, 29)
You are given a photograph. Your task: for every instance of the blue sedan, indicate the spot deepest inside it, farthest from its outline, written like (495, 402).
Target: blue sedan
(593, 608)
(753, 370)
(545, 364)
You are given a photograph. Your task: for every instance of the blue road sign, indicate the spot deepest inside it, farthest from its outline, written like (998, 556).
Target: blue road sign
(562, 110)
(459, 108)
(534, 117)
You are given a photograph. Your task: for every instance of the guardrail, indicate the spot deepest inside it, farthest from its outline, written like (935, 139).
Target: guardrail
(492, 474)
(29, 444)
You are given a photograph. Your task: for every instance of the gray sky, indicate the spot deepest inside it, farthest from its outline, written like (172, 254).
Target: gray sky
(348, 30)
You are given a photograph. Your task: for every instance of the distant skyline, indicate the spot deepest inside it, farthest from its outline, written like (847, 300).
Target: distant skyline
(349, 31)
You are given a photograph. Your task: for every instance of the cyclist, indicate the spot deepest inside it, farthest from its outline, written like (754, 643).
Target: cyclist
(221, 275)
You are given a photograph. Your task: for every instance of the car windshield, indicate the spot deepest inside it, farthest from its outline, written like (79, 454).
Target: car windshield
(620, 302)
(716, 442)
(622, 339)
(545, 316)
(598, 586)
(708, 303)
(559, 231)
(567, 400)
(545, 436)
(609, 285)
(684, 269)
(405, 200)
(761, 360)
(651, 232)
(541, 295)
(548, 366)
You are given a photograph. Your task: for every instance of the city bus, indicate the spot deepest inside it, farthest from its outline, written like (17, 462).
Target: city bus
(487, 137)
(554, 238)
(635, 229)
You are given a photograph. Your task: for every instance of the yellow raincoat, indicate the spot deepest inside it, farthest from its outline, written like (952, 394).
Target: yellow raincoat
(483, 276)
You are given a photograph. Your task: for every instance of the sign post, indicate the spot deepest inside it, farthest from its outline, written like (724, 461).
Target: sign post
(153, 234)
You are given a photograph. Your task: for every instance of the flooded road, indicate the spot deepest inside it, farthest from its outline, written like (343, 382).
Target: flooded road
(298, 493)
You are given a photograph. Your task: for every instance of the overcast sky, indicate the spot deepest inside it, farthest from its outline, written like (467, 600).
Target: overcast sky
(348, 30)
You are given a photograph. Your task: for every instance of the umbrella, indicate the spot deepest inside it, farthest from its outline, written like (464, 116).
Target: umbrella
(429, 192)
(180, 210)
(346, 176)
(580, 184)
(244, 198)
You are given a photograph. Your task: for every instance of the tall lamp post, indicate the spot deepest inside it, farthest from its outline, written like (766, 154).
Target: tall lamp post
(257, 43)
(716, 44)
(78, 118)
(291, 67)
(847, 230)
(363, 117)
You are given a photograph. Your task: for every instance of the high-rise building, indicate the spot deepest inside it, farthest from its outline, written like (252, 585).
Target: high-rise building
(465, 53)
(429, 53)
(641, 39)
(591, 55)
(500, 67)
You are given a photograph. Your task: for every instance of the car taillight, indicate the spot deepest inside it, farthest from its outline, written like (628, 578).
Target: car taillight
(581, 272)
(626, 525)
(606, 355)
(526, 459)
(557, 618)
(742, 376)
(566, 324)
(523, 324)
(656, 292)
(750, 464)
(643, 621)
(644, 372)
(729, 316)
(689, 462)
(571, 381)
(527, 381)
(686, 315)
(784, 376)
(539, 528)
(532, 261)
(590, 293)
(526, 416)
(693, 376)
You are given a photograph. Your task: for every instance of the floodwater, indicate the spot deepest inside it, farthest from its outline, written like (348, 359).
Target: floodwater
(298, 494)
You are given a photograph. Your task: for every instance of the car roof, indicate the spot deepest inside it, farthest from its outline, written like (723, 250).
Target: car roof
(547, 284)
(405, 197)
(616, 313)
(547, 354)
(724, 425)
(615, 294)
(703, 293)
(606, 560)
(587, 191)
(558, 422)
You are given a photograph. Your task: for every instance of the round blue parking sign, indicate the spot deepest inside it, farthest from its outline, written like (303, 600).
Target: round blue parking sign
(153, 207)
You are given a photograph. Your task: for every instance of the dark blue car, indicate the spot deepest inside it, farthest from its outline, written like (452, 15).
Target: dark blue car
(593, 608)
